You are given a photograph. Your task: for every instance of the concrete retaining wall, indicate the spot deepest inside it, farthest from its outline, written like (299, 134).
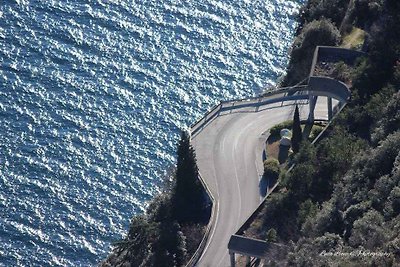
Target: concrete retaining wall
(335, 54)
(329, 87)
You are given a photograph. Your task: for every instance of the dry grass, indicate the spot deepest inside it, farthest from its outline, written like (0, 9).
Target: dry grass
(355, 39)
(273, 147)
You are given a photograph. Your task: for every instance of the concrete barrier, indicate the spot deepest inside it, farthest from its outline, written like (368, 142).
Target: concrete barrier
(325, 86)
(335, 54)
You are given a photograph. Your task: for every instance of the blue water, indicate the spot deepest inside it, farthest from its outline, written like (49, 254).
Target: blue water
(92, 96)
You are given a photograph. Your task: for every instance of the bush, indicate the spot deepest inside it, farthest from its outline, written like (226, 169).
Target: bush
(342, 72)
(301, 177)
(367, 231)
(366, 11)
(307, 209)
(315, 131)
(317, 32)
(390, 120)
(271, 235)
(271, 169)
(331, 9)
(276, 130)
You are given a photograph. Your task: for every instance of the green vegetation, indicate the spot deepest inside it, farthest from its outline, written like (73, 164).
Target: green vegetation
(274, 150)
(188, 193)
(343, 193)
(173, 226)
(317, 32)
(297, 135)
(367, 11)
(354, 39)
(271, 169)
(276, 130)
(271, 235)
(334, 10)
(315, 131)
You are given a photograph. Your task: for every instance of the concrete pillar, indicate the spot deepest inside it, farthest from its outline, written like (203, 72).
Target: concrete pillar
(330, 110)
(312, 101)
(248, 260)
(232, 254)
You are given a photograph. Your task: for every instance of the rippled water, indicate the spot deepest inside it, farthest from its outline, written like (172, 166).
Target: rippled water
(92, 96)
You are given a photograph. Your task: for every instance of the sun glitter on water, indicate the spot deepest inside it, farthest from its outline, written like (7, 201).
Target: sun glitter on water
(92, 97)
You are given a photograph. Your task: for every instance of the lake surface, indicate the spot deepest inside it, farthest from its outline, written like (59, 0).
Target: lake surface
(93, 95)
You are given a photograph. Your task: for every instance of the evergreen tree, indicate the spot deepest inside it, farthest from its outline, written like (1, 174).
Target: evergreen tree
(188, 195)
(297, 135)
(170, 248)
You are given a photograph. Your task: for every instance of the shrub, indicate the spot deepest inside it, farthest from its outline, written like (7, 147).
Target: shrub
(276, 130)
(271, 235)
(271, 169)
(317, 32)
(331, 9)
(342, 72)
(393, 203)
(315, 131)
(307, 209)
(367, 231)
(390, 120)
(301, 177)
(366, 11)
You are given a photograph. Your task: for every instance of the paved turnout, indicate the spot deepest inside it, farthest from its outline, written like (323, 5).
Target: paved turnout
(229, 156)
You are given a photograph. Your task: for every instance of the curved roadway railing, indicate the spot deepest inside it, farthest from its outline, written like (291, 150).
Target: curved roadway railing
(254, 213)
(317, 86)
(197, 254)
(241, 244)
(325, 86)
(266, 99)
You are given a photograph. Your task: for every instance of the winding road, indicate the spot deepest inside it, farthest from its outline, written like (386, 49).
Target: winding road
(229, 143)
(229, 155)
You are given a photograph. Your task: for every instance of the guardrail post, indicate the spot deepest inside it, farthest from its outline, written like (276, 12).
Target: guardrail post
(330, 110)
(312, 102)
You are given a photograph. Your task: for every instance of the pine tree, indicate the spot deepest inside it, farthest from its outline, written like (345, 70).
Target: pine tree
(297, 135)
(188, 195)
(170, 248)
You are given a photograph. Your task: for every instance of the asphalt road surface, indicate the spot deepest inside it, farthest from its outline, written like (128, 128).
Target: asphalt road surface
(229, 156)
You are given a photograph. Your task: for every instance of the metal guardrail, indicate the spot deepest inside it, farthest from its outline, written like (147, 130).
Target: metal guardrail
(254, 214)
(196, 256)
(235, 104)
(336, 111)
(214, 112)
